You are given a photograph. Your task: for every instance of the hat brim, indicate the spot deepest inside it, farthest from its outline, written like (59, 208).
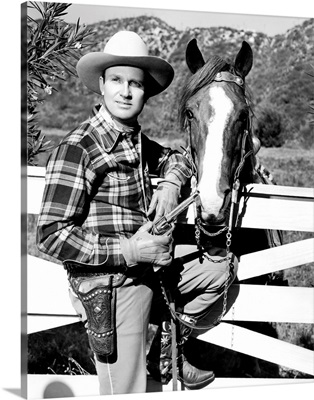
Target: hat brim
(91, 66)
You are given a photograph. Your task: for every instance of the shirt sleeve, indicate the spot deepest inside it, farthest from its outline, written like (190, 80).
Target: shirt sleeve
(60, 230)
(178, 165)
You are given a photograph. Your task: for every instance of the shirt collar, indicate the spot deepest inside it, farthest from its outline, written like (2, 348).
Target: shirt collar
(108, 129)
(103, 123)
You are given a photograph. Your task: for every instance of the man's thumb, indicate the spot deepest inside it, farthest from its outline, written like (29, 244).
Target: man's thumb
(146, 227)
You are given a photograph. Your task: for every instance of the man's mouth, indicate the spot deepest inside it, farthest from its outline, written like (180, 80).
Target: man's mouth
(123, 104)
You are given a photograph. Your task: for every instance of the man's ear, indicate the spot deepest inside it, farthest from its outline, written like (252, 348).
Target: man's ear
(101, 85)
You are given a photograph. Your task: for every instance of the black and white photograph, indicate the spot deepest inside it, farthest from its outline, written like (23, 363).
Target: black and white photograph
(167, 201)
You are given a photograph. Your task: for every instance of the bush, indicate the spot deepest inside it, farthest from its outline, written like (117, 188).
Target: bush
(53, 47)
(270, 128)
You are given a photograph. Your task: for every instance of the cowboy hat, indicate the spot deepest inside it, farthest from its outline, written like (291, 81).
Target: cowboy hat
(125, 48)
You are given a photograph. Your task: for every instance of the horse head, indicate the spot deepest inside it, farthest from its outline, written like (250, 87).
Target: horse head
(215, 111)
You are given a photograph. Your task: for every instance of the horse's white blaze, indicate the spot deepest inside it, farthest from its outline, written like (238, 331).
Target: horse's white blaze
(208, 186)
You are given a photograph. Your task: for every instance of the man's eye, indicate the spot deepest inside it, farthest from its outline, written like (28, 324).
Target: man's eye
(114, 79)
(136, 84)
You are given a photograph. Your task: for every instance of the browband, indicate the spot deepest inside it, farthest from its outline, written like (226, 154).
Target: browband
(228, 77)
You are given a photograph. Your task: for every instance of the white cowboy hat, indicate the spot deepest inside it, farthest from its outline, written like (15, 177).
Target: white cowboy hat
(125, 48)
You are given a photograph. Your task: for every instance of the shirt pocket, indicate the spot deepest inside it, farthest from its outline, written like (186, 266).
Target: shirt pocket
(122, 189)
(119, 177)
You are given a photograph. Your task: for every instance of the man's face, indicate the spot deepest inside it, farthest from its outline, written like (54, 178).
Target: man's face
(123, 91)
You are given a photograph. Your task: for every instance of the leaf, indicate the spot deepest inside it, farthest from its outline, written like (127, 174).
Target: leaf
(60, 8)
(77, 25)
(71, 72)
(71, 36)
(50, 50)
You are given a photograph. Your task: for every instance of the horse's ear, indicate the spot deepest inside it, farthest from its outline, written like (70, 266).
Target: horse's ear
(244, 59)
(193, 57)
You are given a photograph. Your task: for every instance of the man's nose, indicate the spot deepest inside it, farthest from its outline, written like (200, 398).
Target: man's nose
(125, 90)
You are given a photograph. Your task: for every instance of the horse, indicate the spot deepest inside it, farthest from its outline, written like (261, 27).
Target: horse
(215, 112)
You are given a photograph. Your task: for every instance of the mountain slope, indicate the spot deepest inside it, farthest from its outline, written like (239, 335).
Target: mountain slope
(279, 79)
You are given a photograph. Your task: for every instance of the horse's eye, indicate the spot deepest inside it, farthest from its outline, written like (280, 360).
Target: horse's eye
(189, 114)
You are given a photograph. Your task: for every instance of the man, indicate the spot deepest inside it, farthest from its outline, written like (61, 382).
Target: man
(97, 209)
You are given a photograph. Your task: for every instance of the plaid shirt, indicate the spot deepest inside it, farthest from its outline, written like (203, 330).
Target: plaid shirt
(98, 189)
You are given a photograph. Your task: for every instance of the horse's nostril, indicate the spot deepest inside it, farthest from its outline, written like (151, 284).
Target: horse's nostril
(220, 219)
(213, 219)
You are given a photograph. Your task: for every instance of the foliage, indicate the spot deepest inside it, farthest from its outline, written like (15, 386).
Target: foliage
(52, 48)
(269, 128)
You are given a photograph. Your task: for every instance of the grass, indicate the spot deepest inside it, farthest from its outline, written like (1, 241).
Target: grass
(290, 167)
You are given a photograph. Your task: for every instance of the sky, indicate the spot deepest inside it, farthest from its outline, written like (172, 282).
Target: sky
(10, 199)
(176, 16)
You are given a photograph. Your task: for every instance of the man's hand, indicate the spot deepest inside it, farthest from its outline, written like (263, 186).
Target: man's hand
(143, 247)
(165, 198)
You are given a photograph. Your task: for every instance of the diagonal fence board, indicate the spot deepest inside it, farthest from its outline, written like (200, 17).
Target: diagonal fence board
(260, 346)
(271, 304)
(276, 259)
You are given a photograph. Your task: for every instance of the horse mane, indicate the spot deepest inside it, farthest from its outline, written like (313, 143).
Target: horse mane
(204, 76)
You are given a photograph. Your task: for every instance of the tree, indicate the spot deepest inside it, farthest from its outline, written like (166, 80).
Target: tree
(269, 128)
(53, 47)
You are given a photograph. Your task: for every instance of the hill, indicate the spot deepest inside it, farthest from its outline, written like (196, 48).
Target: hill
(279, 80)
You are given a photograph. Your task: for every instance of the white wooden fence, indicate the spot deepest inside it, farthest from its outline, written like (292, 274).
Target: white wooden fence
(272, 207)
